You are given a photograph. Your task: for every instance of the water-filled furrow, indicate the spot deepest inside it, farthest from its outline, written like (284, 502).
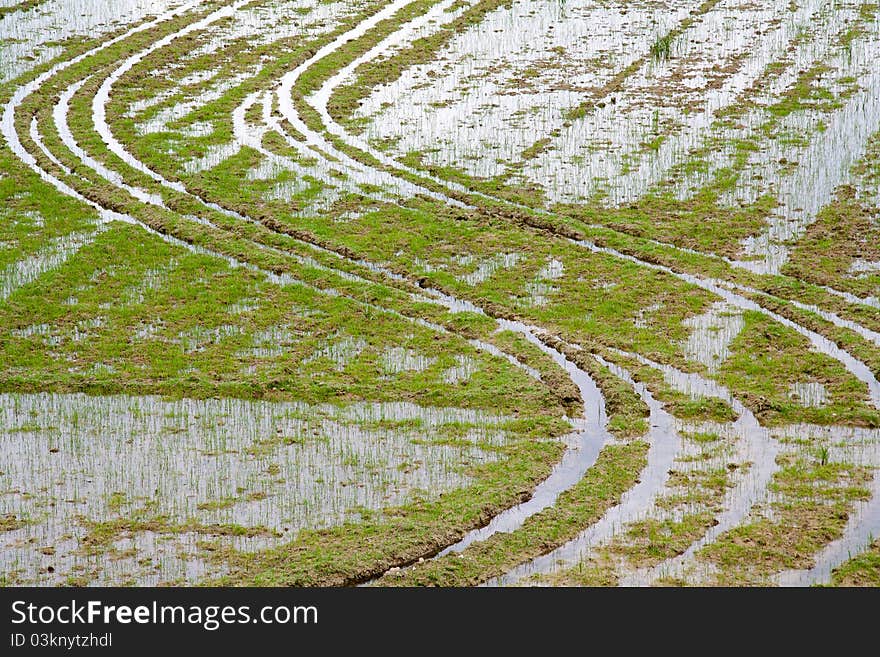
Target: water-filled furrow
(60, 113)
(59, 116)
(102, 96)
(664, 442)
(757, 446)
(319, 99)
(754, 445)
(8, 121)
(837, 320)
(37, 138)
(315, 139)
(861, 371)
(590, 436)
(584, 445)
(246, 135)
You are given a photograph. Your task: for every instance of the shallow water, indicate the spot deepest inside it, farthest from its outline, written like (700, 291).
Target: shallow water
(712, 333)
(50, 257)
(821, 166)
(809, 395)
(283, 466)
(28, 39)
(473, 101)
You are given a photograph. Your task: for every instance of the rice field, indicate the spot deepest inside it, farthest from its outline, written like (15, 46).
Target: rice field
(439, 293)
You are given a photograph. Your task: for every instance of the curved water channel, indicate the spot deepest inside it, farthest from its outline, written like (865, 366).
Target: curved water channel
(756, 446)
(590, 434)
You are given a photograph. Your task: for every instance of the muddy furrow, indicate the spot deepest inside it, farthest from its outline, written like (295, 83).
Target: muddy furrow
(870, 302)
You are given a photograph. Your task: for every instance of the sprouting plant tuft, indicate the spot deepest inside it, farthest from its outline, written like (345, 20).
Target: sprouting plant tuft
(661, 49)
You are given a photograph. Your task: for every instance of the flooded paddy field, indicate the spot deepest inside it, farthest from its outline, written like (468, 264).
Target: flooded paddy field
(423, 292)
